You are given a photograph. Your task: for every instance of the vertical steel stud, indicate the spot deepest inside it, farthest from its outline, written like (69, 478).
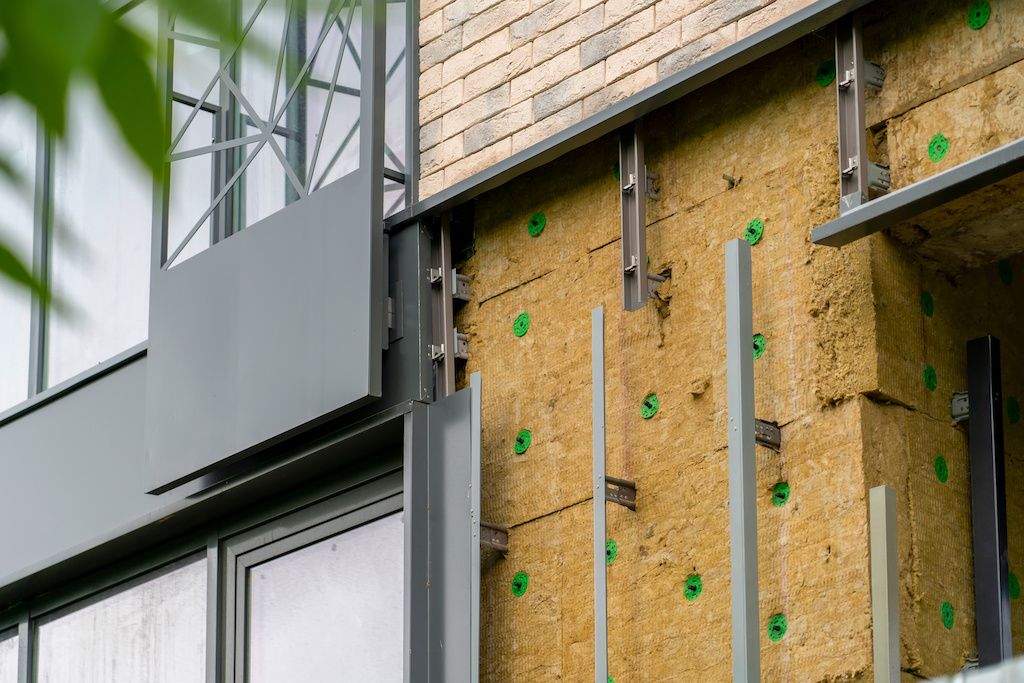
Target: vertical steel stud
(633, 179)
(885, 597)
(600, 514)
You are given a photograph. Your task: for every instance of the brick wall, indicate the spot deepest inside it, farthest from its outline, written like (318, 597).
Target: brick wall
(496, 76)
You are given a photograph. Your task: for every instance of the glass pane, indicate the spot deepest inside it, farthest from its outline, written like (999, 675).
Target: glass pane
(17, 147)
(101, 237)
(331, 611)
(9, 657)
(395, 89)
(191, 187)
(152, 632)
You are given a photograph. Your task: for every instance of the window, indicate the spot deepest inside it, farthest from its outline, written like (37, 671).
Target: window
(9, 657)
(153, 630)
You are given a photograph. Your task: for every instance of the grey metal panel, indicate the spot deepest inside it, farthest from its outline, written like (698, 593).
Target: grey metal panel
(746, 653)
(416, 506)
(912, 200)
(600, 501)
(474, 520)
(885, 596)
(739, 54)
(268, 332)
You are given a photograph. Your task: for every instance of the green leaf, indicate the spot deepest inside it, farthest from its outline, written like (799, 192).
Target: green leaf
(129, 90)
(12, 268)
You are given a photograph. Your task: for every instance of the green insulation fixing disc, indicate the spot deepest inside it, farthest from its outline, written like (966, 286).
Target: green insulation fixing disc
(826, 73)
(1005, 272)
(978, 14)
(522, 441)
(693, 587)
(520, 582)
(611, 551)
(937, 147)
(931, 379)
(927, 304)
(760, 343)
(649, 408)
(777, 626)
(941, 469)
(1014, 587)
(536, 224)
(780, 494)
(948, 615)
(753, 231)
(1012, 410)
(521, 325)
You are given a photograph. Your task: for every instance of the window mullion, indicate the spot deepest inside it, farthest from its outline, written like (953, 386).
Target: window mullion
(41, 242)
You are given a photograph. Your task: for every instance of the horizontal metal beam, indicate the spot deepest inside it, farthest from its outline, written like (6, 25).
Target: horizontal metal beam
(741, 53)
(913, 200)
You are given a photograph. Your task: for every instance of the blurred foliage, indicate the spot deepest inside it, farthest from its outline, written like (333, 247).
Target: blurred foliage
(46, 45)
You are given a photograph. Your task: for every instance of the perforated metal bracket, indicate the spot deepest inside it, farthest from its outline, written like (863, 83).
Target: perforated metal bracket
(637, 284)
(448, 287)
(859, 176)
(960, 407)
(621, 492)
(768, 435)
(494, 536)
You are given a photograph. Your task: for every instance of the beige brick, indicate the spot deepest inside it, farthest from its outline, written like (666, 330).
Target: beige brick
(717, 14)
(561, 38)
(459, 11)
(499, 126)
(568, 91)
(648, 50)
(544, 18)
(767, 16)
(430, 80)
(549, 126)
(493, 19)
(430, 134)
(587, 4)
(428, 7)
(612, 39)
(440, 49)
(694, 52)
(501, 70)
(477, 162)
(617, 10)
(441, 156)
(431, 184)
(619, 90)
(477, 109)
(431, 27)
(440, 102)
(545, 75)
(483, 52)
(667, 11)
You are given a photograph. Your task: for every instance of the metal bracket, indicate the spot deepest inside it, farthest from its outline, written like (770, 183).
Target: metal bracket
(768, 435)
(637, 284)
(447, 288)
(859, 176)
(621, 492)
(494, 536)
(960, 407)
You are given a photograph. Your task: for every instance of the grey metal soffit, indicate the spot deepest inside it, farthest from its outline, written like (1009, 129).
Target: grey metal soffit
(755, 46)
(912, 200)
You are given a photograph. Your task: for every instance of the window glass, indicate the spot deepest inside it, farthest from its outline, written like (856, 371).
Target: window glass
(9, 657)
(153, 631)
(18, 148)
(100, 246)
(331, 611)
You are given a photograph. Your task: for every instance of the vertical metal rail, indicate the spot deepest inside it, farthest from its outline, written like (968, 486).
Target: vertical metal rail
(474, 519)
(746, 662)
(633, 176)
(443, 350)
(600, 498)
(885, 598)
(988, 500)
(26, 648)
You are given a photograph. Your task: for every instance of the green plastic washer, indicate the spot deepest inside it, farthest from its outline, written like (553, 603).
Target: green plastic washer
(535, 226)
(826, 73)
(777, 626)
(760, 344)
(1012, 410)
(941, 469)
(521, 325)
(780, 494)
(948, 615)
(611, 551)
(520, 582)
(1005, 272)
(752, 233)
(615, 171)
(938, 146)
(931, 378)
(927, 304)
(693, 588)
(978, 15)
(522, 441)
(1014, 587)
(649, 408)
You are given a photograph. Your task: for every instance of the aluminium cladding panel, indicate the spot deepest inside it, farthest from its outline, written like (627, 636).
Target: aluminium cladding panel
(265, 333)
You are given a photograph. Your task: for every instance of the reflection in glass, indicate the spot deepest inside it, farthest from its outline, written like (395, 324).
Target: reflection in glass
(151, 632)
(9, 657)
(331, 611)
(17, 147)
